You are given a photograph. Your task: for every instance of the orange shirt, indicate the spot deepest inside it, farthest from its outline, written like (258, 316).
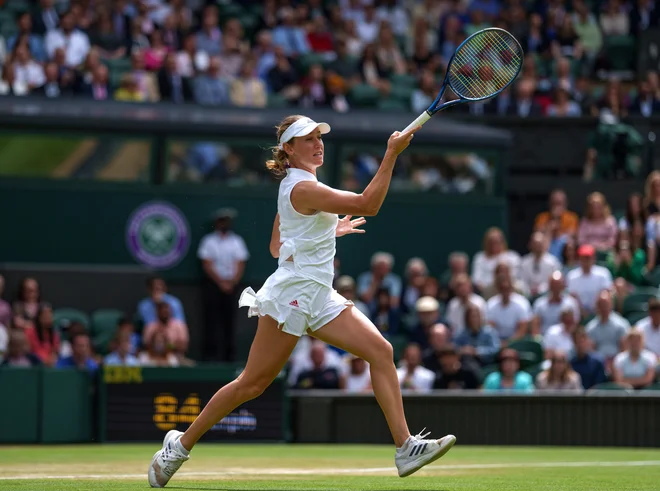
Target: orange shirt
(569, 222)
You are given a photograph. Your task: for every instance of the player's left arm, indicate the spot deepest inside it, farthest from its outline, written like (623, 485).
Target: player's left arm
(347, 226)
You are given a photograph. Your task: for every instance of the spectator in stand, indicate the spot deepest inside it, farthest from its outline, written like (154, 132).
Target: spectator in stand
(74, 42)
(425, 93)
(128, 90)
(597, 227)
(537, 266)
(26, 69)
(495, 251)
(18, 352)
(626, 262)
(508, 312)
(358, 379)
(380, 276)
(125, 325)
(639, 241)
(646, 103)
(345, 286)
(560, 375)
(635, 366)
(264, 53)
(386, 317)
(453, 374)
(559, 338)
(158, 353)
(110, 44)
(416, 275)
(412, 375)
(478, 340)
(175, 330)
(547, 309)
(372, 72)
(650, 327)
(634, 212)
(320, 376)
(643, 15)
(320, 38)
(283, 79)
(588, 281)
(614, 19)
(26, 34)
(524, 104)
(51, 87)
(652, 194)
(569, 257)
(209, 38)
(155, 54)
(190, 60)
(5, 308)
(313, 88)
(121, 23)
(558, 212)
(536, 39)
(81, 357)
(439, 338)
(28, 303)
(290, 36)
(4, 341)
(99, 87)
(509, 378)
(300, 360)
(562, 105)
(46, 19)
(121, 354)
(456, 309)
(235, 49)
(223, 255)
(146, 82)
(388, 53)
(587, 364)
(608, 329)
(519, 286)
(428, 314)
(171, 85)
(209, 88)
(588, 32)
(157, 293)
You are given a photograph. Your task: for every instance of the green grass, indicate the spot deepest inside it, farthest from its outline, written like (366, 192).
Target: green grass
(331, 467)
(34, 156)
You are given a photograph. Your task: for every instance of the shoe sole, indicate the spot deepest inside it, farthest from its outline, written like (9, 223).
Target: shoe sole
(151, 474)
(451, 440)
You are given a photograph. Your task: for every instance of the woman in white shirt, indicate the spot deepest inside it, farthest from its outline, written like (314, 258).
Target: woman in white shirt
(614, 19)
(495, 251)
(27, 70)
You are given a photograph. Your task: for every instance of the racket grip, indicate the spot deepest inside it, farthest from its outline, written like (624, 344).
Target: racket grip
(421, 119)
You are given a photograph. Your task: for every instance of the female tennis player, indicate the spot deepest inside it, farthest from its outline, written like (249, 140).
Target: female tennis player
(298, 298)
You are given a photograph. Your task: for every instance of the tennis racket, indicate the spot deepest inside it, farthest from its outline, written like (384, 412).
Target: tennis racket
(483, 65)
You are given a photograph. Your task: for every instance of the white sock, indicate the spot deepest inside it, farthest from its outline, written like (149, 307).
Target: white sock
(181, 448)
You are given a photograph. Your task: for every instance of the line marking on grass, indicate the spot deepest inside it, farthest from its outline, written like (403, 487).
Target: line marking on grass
(328, 471)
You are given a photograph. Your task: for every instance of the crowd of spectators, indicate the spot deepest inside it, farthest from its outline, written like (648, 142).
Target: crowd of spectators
(338, 54)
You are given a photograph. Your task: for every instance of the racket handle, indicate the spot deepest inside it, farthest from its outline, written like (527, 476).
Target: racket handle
(421, 119)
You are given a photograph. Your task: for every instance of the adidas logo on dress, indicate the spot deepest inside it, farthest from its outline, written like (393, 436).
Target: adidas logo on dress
(294, 303)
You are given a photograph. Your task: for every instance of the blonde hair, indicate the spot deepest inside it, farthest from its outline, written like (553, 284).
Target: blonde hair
(597, 197)
(278, 164)
(489, 233)
(648, 187)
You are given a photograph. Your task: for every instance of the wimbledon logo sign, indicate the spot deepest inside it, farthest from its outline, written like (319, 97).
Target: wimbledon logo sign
(158, 235)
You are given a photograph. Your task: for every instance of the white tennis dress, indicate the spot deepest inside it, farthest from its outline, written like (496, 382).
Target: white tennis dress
(299, 294)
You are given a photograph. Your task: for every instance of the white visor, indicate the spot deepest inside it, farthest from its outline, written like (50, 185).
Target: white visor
(302, 127)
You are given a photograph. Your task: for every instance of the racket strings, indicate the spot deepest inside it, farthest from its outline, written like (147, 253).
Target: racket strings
(485, 64)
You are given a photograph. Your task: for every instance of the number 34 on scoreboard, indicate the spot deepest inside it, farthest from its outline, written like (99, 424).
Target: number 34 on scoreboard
(168, 413)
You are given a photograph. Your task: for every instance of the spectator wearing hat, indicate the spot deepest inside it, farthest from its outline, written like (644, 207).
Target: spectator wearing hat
(650, 327)
(428, 314)
(223, 255)
(508, 312)
(608, 329)
(559, 338)
(412, 375)
(345, 286)
(358, 379)
(635, 366)
(509, 378)
(157, 292)
(456, 309)
(537, 266)
(587, 364)
(586, 282)
(548, 308)
(380, 276)
(478, 340)
(453, 374)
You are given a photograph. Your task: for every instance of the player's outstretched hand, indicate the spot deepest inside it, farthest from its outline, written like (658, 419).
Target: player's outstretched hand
(347, 226)
(399, 141)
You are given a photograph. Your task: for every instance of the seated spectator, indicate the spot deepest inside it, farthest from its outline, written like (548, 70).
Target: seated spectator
(121, 354)
(478, 340)
(416, 276)
(380, 276)
(569, 257)
(524, 104)
(26, 69)
(453, 374)
(27, 304)
(624, 262)
(598, 226)
(588, 281)
(157, 292)
(4, 341)
(439, 338)
(301, 361)
(171, 85)
(560, 375)
(587, 364)
(44, 340)
(74, 42)
(587, 30)
(345, 286)
(388, 53)
(559, 338)
(371, 71)
(319, 376)
(319, 37)
(99, 87)
(5, 308)
(385, 316)
(51, 88)
(495, 251)
(110, 43)
(567, 43)
(81, 357)
(314, 92)
(537, 266)
(652, 199)
(646, 103)
(125, 325)
(176, 331)
(557, 212)
(158, 353)
(608, 329)
(428, 314)
(425, 93)
(562, 105)
(614, 19)
(69, 330)
(508, 312)
(634, 212)
(283, 79)
(509, 378)
(209, 37)
(145, 81)
(547, 308)
(191, 60)
(650, 327)
(635, 366)
(208, 88)
(128, 90)
(247, 90)
(455, 315)
(34, 41)
(412, 375)
(358, 379)
(368, 24)
(155, 55)
(290, 36)
(459, 263)
(9, 86)
(18, 352)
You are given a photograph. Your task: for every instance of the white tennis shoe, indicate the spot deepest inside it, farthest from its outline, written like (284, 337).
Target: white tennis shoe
(166, 461)
(417, 452)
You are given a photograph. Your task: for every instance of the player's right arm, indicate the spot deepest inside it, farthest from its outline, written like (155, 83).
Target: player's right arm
(307, 197)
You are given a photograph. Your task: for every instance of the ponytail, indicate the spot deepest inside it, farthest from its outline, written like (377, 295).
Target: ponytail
(279, 163)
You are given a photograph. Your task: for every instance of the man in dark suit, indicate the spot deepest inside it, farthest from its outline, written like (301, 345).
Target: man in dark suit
(121, 23)
(173, 87)
(643, 16)
(52, 89)
(645, 104)
(523, 105)
(46, 18)
(98, 89)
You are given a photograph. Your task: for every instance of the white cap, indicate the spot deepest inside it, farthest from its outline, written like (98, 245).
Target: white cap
(302, 127)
